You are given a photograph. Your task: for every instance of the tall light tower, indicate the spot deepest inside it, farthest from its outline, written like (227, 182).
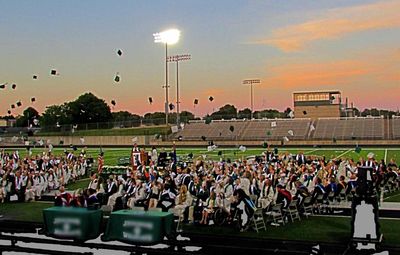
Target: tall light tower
(176, 59)
(251, 82)
(170, 36)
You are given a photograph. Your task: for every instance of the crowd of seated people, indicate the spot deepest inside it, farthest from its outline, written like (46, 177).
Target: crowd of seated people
(196, 189)
(28, 178)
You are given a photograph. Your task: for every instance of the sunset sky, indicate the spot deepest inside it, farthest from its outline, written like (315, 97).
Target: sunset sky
(293, 45)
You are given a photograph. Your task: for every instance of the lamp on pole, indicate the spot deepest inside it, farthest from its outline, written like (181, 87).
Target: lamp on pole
(170, 36)
(176, 59)
(251, 82)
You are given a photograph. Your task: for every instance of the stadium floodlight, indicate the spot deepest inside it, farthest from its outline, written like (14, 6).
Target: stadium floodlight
(177, 59)
(251, 82)
(170, 36)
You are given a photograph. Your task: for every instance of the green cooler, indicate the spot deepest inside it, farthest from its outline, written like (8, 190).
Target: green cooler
(138, 227)
(79, 224)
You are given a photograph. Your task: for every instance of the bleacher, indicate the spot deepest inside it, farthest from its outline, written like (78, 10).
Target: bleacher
(276, 129)
(396, 127)
(361, 128)
(349, 128)
(216, 130)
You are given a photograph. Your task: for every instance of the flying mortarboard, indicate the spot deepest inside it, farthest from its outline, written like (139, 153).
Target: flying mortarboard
(14, 86)
(19, 103)
(208, 120)
(196, 101)
(119, 52)
(171, 106)
(3, 86)
(211, 98)
(180, 138)
(33, 99)
(113, 102)
(34, 77)
(203, 138)
(305, 112)
(12, 106)
(117, 78)
(9, 111)
(231, 128)
(53, 72)
(150, 100)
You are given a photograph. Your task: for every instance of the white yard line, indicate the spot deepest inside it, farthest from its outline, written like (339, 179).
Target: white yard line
(386, 156)
(308, 152)
(344, 153)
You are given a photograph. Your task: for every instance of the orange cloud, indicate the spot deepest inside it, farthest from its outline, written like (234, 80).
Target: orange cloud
(335, 24)
(377, 68)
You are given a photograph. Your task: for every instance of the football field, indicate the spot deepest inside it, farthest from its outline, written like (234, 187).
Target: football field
(111, 155)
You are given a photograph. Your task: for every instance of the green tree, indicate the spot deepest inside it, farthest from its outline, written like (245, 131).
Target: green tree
(26, 119)
(245, 113)
(225, 112)
(126, 119)
(89, 109)
(155, 118)
(268, 113)
(56, 114)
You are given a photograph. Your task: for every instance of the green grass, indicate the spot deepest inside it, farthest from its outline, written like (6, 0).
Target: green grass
(111, 155)
(323, 229)
(29, 211)
(79, 184)
(392, 197)
(113, 132)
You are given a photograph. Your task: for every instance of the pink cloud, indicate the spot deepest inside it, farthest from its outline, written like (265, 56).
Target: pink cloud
(335, 23)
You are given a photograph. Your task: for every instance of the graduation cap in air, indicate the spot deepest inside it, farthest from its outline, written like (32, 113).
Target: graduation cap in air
(231, 128)
(117, 78)
(180, 138)
(211, 98)
(82, 140)
(265, 144)
(171, 106)
(34, 77)
(334, 140)
(14, 86)
(19, 103)
(113, 102)
(196, 101)
(53, 72)
(357, 149)
(150, 100)
(276, 150)
(203, 138)
(208, 120)
(305, 112)
(3, 86)
(9, 111)
(157, 136)
(219, 153)
(33, 99)
(290, 132)
(12, 106)
(269, 132)
(286, 139)
(119, 52)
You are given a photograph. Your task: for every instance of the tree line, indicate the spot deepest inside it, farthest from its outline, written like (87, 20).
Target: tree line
(88, 108)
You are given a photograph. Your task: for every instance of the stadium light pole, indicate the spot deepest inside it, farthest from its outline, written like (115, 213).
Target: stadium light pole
(177, 58)
(251, 82)
(170, 36)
